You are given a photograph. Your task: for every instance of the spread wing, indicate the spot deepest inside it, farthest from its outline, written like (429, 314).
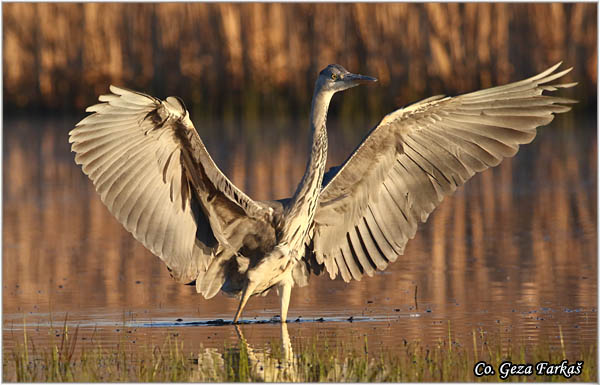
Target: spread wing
(370, 206)
(156, 177)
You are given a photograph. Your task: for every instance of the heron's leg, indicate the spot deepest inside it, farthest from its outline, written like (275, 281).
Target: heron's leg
(285, 291)
(245, 295)
(286, 344)
(289, 361)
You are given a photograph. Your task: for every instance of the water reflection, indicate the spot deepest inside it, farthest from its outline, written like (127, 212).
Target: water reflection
(514, 250)
(267, 367)
(263, 364)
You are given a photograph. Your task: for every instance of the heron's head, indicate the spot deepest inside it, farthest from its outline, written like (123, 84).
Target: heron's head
(336, 78)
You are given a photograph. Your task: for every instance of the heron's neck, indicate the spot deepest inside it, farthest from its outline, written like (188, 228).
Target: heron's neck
(305, 199)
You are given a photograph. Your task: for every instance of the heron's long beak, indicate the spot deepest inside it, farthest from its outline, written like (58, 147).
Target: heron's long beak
(359, 79)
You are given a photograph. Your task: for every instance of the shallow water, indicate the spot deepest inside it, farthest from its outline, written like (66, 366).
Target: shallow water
(512, 256)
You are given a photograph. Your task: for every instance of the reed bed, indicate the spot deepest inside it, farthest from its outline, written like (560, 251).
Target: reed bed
(224, 57)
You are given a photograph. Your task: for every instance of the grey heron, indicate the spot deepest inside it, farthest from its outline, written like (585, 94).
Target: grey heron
(157, 178)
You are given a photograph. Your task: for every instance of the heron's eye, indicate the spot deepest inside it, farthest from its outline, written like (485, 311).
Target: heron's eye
(333, 77)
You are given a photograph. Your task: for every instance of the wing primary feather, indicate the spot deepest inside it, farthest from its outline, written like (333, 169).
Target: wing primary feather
(341, 264)
(104, 162)
(431, 196)
(431, 154)
(361, 252)
(395, 198)
(128, 189)
(472, 154)
(423, 194)
(379, 229)
(105, 182)
(351, 260)
(373, 250)
(130, 202)
(110, 189)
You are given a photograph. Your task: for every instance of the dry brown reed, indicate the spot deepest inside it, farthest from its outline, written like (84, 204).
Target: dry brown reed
(218, 56)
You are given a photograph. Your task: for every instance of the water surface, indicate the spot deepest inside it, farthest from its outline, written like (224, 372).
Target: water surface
(512, 255)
